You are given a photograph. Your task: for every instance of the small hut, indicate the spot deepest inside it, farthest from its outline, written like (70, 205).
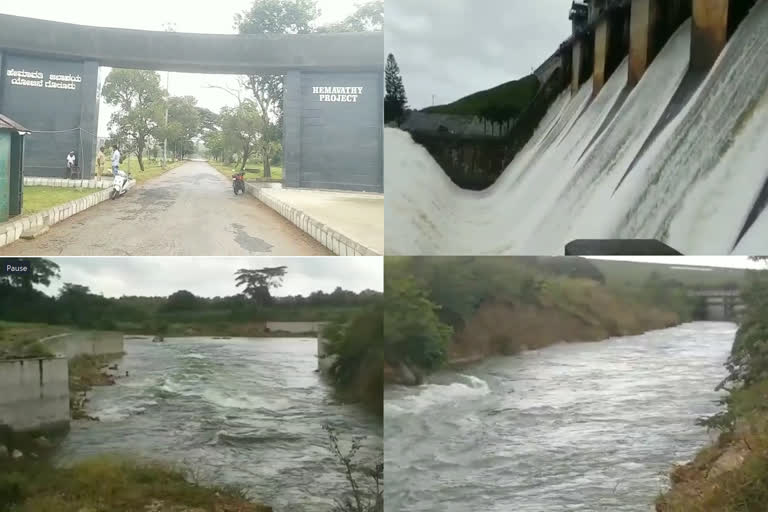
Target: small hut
(11, 167)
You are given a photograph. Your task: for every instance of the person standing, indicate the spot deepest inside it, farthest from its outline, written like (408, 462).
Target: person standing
(70, 164)
(115, 160)
(100, 160)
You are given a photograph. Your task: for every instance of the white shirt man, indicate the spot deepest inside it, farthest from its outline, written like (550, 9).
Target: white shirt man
(115, 161)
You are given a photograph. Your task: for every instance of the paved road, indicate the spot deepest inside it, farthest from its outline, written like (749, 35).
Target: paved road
(189, 211)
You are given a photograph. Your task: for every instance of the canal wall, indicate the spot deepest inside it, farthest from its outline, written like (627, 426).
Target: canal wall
(94, 343)
(35, 394)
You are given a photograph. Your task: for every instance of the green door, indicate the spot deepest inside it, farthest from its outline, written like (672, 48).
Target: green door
(5, 173)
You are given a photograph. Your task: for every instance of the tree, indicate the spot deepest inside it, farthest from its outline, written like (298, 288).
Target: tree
(368, 17)
(184, 124)
(141, 107)
(41, 272)
(258, 282)
(395, 100)
(413, 332)
(182, 300)
(242, 128)
(274, 17)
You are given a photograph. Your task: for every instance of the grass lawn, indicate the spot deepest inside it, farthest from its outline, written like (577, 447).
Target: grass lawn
(255, 170)
(37, 199)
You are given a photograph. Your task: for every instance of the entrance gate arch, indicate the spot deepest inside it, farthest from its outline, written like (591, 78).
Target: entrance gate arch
(332, 103)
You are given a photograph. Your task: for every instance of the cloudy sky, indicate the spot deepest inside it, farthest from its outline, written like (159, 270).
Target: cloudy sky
(210, 277)
(453, 48)
(202, 17)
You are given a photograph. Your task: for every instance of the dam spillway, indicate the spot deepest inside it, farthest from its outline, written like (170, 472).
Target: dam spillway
(618, 164)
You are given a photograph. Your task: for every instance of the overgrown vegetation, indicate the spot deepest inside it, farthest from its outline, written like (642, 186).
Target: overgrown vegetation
(732, 475)
(449, 310)
(358, 345)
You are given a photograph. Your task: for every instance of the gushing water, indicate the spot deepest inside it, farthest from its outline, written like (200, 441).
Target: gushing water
(589, 174)
(247, 412)
(577, 427)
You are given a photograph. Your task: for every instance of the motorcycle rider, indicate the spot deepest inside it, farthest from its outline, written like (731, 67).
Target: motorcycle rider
(115, 160)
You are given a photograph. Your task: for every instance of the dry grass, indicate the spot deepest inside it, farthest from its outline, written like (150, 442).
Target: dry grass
(732, 475)
(113, 483)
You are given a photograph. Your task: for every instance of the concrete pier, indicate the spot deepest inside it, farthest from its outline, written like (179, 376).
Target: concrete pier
(602, 54)
(711, 19)
(643, 21)
(580, 64)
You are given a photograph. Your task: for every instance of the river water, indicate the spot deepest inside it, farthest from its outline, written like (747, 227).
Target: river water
(572, 427)
(241, 411)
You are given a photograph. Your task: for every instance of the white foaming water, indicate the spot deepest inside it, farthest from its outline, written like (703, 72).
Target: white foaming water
(693, 187)
(431, 395)
(581, 427)
(243, 403)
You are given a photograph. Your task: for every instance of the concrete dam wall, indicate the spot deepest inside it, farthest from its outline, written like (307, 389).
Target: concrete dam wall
(677, 157)
(35, 394)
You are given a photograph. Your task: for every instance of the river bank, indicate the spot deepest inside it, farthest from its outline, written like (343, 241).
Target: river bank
(567, 311)
(731, 474)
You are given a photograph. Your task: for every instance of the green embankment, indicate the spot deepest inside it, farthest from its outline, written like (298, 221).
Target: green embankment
(441, 311)
(19, 340)
(500, 102)
(732, 474)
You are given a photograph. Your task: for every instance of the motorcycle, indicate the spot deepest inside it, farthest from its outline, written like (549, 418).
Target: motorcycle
(120, 184)
(238, 182)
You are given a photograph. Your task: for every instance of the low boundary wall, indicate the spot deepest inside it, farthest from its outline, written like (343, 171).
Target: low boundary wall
(11, 231)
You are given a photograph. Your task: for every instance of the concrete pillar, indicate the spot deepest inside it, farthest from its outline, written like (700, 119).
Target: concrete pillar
(709, 32)
(89, 118)
(643, 21)
(577, 64)
(292, 129)
(602, 50)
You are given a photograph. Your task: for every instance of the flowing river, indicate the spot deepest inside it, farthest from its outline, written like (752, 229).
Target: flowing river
(572, 427)
(243, 411)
